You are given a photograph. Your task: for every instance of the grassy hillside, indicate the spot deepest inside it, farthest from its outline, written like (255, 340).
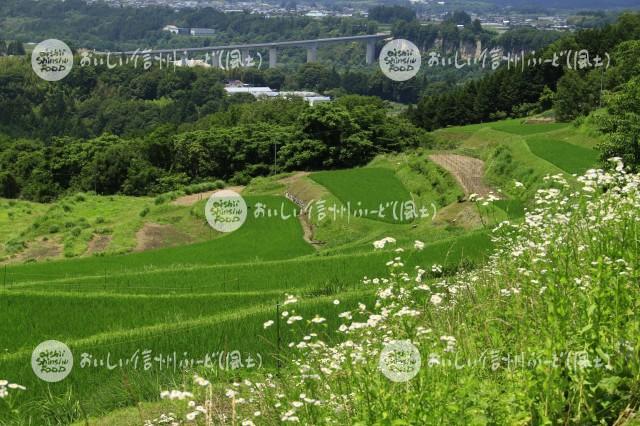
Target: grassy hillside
(68, 226)
(514, 150)
(213, 292)
(546, 332)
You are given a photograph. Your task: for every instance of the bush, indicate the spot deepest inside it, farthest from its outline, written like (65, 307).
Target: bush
(15, 245)
(203, 187)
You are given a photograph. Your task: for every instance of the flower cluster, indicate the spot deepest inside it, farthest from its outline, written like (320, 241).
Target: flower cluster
(6, 387)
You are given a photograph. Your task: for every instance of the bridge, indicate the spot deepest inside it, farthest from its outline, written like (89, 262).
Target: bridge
(310, 45)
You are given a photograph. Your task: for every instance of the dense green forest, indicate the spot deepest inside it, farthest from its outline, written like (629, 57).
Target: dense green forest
(137, 132)
(516, 92)
(109, 145)
(102, 27)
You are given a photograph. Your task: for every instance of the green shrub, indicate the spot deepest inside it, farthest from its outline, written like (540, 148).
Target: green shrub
(15, 245)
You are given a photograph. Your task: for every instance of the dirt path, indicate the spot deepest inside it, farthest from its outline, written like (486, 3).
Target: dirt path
(153, 235)
(468, 171)
(189, 200)
(99, 243)
(307, 227)
(301, 193)
(294, 178)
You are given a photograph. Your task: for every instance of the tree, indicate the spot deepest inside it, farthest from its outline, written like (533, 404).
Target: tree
(8, 186)
(315, 76)
(110, 166)
(274, 78)
(575, 95)
(458, 17)
(627, 63)
(390, 14)
(15, 48)
(546, 99)
(621, 124)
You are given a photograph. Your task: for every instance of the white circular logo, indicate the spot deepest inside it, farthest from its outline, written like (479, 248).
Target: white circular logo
(400, 361)
(52, 60)
(52, 361)
(226, 211)
(400, 60)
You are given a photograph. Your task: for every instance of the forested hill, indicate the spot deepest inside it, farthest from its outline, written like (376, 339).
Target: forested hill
(102, 27)
(513, 93)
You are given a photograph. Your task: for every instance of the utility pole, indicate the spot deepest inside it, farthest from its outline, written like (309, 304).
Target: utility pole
(601, 85)
(278, 337)
(275, 158)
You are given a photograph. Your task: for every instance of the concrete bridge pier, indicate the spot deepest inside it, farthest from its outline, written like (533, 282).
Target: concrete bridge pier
(273, 57)
(371, 52)
(312, 53)
(244, 56)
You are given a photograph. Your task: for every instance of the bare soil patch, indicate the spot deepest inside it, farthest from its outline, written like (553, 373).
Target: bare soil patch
(464, 215)
(303, 191)
(36, 251)
(154, 235)
(468, 172)
(99, 244)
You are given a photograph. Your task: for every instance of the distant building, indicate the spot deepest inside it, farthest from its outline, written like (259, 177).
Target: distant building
(195, 32)
(255, 91)
(236, 83)
(176, 30)
(191, 63)
(201, 32)
(171, 28)
(312, 98)
(315, 14)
